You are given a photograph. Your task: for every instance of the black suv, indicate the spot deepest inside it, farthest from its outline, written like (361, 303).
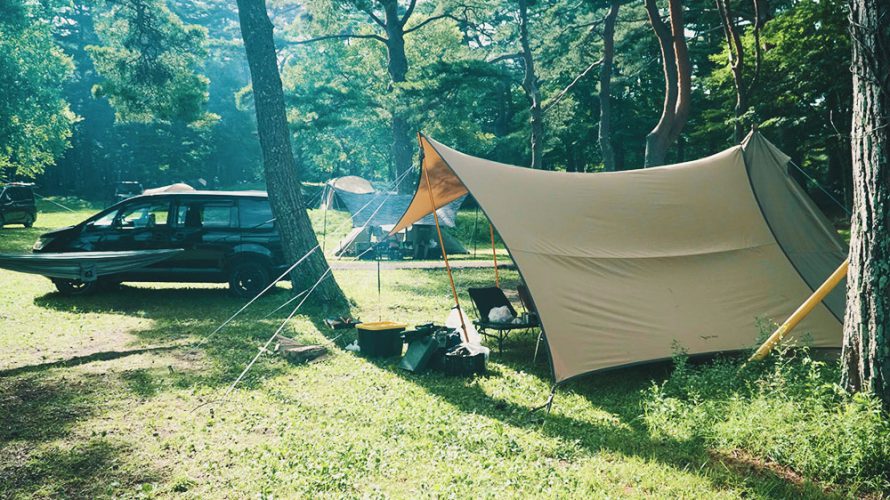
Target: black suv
(126, 189)
(227, 236)
(17, 205)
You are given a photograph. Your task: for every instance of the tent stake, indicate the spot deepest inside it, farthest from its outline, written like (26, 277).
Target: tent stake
(549, 403)
(801, 312)
(429, 190)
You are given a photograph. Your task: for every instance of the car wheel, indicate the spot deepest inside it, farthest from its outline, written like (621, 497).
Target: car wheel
(29, 223)
(73, 288)
(248, 278)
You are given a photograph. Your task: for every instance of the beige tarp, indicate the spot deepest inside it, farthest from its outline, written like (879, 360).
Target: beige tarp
(626, 267)
(179, 187)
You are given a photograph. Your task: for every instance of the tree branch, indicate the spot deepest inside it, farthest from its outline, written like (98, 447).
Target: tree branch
(374, 17)
(549, 104)
(345, 36)
(432, 19)
(408, 12)
(504, 57)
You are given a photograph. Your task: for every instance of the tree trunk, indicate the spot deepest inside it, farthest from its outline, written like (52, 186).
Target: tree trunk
(866, 349)
(684, 71)
(530, 85)
(669, 125)
(736, 65)
(282, 176)
(605, 128)
(397, 66)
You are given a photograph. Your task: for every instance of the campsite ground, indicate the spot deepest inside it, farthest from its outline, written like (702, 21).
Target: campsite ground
(100, 396)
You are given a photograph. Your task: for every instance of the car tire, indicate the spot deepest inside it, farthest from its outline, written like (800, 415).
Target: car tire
(28, 224)
(248, 278)
(74, 288)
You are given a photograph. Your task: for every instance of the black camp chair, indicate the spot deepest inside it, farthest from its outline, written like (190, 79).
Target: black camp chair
(486, 299)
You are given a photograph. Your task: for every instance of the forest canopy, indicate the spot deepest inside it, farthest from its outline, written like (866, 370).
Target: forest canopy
(158, 90)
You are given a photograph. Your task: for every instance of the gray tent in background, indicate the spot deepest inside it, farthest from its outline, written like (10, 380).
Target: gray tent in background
(349, 184)
(383, 211)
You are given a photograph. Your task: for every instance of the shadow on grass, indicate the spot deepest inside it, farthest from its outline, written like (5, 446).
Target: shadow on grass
(79, 360)
(618, 393)
(87, 470)
(178, 314)
(39, 409)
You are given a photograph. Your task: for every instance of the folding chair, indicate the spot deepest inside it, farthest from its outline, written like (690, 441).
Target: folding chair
(486, 299)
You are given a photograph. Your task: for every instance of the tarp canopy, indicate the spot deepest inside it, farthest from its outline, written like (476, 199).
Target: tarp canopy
(626, 267)
(84, 266)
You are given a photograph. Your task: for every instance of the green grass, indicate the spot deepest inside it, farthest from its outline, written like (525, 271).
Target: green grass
(98, 398)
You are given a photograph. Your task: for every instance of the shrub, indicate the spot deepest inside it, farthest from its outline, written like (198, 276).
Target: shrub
(787, 409)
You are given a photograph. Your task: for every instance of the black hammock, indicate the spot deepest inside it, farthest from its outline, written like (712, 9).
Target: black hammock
(83, 266)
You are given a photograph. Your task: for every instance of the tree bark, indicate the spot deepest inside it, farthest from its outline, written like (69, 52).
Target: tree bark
(530, 85)
(397, 66)
(677, 79)
(605, 128)
(282, 176)
(866, 347)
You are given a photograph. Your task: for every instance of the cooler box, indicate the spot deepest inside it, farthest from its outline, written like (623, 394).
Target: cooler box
(382, 339)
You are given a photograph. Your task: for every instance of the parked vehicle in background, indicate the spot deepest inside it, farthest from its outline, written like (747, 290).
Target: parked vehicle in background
(227, 237)
(126, 189)
(17, 204)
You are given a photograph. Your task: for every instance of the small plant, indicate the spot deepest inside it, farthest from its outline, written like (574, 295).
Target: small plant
(786, 409)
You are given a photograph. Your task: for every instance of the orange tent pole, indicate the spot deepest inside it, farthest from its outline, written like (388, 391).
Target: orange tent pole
(801, 312)
(497, 279)
(429, 189)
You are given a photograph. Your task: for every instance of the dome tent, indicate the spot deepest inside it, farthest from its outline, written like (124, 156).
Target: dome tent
(625, 266)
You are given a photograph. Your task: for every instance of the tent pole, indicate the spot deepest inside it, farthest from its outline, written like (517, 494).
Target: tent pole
(801, 311)
(494, 254)
(324, 231)
(475, 225)
(379, 295)
(429, 189)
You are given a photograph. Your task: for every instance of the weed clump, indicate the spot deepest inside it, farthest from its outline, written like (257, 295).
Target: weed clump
(787, 409)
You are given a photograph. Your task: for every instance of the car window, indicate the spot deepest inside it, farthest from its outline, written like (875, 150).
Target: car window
(144, 215)
(106, 220)
(254, 213)
(18, 194)
(206, 214)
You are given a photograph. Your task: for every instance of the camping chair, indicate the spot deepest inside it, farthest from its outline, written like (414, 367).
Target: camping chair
(488, 298)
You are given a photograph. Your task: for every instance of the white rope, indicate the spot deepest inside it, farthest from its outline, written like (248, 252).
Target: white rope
(295, 297)
(280, 328)
(245, 306)
(44, 198)
(324, 275)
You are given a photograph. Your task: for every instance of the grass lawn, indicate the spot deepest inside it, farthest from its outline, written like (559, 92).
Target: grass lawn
(98, 398)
